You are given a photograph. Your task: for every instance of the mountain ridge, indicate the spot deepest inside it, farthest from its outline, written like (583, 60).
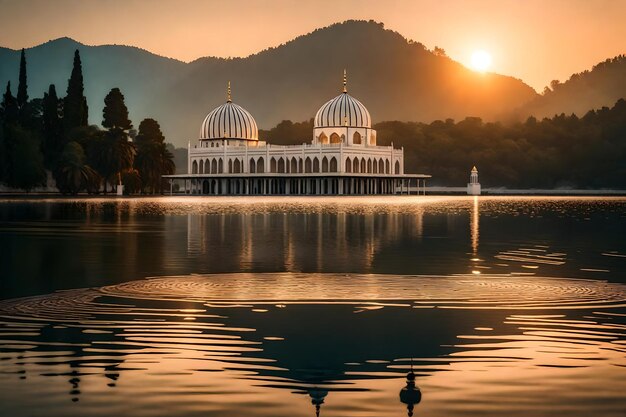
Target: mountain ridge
(395, 77)
(598, 87)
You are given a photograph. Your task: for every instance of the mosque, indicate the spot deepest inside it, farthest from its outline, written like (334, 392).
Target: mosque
(343, 157)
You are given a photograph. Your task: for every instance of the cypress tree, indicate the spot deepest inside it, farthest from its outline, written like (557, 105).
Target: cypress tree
(153, 158)
(75, 110)
(53, 142)
(115, 112)
(9, 108)
(119, 154)
(22, 88)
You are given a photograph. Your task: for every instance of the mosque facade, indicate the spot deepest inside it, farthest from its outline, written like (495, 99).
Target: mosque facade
(343, 157)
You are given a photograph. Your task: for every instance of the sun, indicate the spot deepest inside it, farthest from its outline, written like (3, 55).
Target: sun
(481, 60)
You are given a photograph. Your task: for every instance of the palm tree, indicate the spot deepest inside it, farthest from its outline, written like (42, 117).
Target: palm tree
(71, 173)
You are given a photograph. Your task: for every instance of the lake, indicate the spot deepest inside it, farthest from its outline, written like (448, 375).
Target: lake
(305, 306)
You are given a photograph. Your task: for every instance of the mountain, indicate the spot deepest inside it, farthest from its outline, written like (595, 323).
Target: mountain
(600, 87)
(135, 71)
(396, 78)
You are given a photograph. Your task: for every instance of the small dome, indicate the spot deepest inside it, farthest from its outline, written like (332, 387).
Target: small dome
(229, 121)
(343, 110)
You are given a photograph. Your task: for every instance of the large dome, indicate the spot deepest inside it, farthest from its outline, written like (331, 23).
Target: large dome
(343, 110)
(229, 121)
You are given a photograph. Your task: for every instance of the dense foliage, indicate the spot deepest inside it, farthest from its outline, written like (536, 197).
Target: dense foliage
(53, 134)
(564, 151)
(153, 157)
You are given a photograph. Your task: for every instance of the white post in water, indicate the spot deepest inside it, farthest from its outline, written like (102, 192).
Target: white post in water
(473, 187)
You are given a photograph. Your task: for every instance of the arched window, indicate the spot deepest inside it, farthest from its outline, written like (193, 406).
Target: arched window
(363, 165)
(281, 165)
(316, 165)
(230, 166)
(207, 166)
(356, 138)
(348, 165)
(194, 167)
(220, 166)
(252, 166)
(237, 166)
(381, 166)
(387, 170)
(272, 165)
(397, 169)
(369, 166)
(334, 138)
(294, 165)
(307, 165)
(325, 164)
(375, 167)
(333, 164)
(355, 165)
(323, 138)
(201, 168)
(260, 165)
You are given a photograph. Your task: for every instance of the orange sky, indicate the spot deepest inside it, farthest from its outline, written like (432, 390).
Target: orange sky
(535, 40)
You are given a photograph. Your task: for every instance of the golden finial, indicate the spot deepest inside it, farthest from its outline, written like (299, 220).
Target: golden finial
(228, 99)
(345, 81)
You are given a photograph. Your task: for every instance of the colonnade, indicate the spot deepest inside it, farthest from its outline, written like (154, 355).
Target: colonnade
(302, 186)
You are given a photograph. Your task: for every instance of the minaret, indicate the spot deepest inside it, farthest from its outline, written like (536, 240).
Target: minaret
(473, 187)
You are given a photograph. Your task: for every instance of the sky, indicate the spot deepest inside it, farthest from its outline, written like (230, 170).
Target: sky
(534, 40)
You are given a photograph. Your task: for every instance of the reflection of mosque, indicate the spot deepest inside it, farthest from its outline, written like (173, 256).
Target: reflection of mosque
(317, 398)
(410, 394)
(316, 359)
(298, 242)
(361, 241)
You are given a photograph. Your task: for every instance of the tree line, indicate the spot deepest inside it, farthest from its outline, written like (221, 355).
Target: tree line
(52, 135)
(558, 152)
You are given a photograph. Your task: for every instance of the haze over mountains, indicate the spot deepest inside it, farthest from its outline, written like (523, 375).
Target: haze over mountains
(397, 79)
(600, 87)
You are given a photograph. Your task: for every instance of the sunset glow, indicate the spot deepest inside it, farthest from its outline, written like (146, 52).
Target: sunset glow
(312, 208)
(481, 60)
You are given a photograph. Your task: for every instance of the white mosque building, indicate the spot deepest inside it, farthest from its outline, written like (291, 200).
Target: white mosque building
(343, 157)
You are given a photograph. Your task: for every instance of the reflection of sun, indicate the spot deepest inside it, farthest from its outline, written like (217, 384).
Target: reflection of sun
(481, 60)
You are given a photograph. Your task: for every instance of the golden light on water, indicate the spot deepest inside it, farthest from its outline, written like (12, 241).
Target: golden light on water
(475, 226)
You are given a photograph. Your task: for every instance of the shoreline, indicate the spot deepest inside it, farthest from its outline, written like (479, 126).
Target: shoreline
(430, 192)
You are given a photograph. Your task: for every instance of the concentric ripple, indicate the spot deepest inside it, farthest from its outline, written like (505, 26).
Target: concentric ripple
(198, 342)
(485, 291)
(458, 292)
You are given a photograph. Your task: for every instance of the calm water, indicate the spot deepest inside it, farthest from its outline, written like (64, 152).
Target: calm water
(297, 306)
